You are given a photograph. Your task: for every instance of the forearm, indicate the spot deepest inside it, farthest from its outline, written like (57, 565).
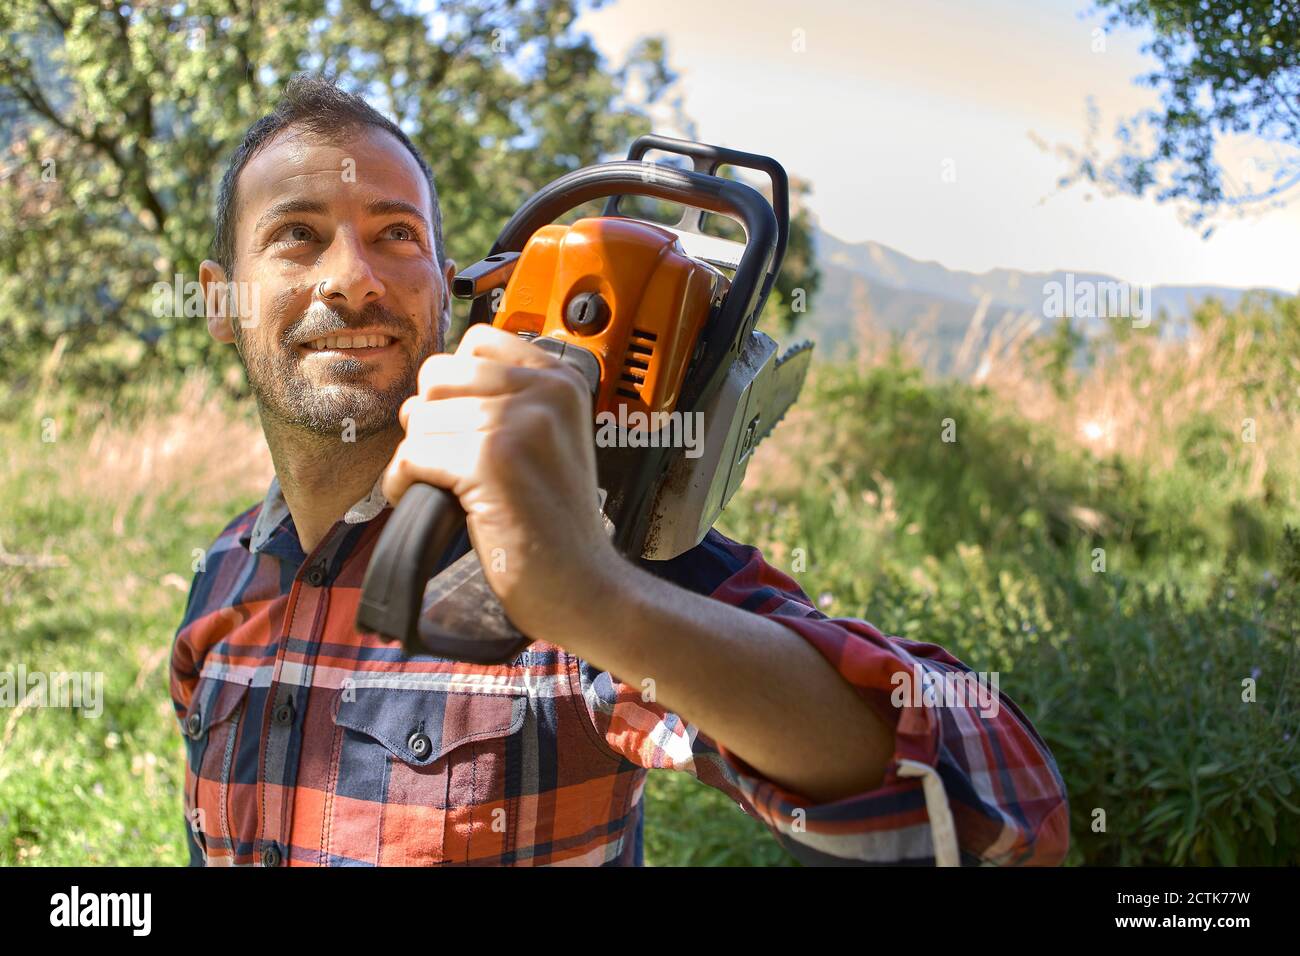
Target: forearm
(751, 684)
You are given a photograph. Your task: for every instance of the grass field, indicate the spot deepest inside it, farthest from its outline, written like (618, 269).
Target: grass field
(1113, 543)
(99, 530)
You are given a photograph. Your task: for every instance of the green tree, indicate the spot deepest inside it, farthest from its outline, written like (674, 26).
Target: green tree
(1225, 67)
(116, 119)
(120, 116)
(800, 278)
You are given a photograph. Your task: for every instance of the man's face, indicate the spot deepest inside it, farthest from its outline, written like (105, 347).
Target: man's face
(336, 241)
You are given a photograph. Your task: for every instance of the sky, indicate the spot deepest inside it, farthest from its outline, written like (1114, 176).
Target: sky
(916, 122)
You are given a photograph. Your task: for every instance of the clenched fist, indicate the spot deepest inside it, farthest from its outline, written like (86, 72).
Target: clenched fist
(507, 428)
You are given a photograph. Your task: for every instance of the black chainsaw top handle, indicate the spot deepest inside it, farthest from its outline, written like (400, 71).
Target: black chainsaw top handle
(707, 159)
(765, 230)
(428, 520)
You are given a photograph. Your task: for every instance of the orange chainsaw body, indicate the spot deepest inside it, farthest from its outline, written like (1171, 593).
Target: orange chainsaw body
(658, 298)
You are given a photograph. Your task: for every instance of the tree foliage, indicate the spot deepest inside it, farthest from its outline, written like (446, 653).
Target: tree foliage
(116, 120)
(1226, 67)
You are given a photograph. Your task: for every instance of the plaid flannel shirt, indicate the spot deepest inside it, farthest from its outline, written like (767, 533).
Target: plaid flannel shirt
(308, 743)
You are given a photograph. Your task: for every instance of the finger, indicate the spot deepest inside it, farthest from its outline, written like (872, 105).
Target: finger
(450, 415)
(444, 461)
(404, 413)
(485, 341)
(447, 376)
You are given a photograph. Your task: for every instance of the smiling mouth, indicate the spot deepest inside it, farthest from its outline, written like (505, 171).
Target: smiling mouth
(351, 344)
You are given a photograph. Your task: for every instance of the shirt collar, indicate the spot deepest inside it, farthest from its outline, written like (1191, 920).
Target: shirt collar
(274, 514)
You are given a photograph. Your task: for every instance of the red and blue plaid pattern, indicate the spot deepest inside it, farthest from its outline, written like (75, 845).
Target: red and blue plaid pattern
(311, 744)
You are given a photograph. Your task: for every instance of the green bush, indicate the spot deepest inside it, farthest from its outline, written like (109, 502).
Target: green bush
(991, 546)
(1133, 674)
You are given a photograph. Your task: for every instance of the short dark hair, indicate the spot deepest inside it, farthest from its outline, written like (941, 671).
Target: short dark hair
(316, 104)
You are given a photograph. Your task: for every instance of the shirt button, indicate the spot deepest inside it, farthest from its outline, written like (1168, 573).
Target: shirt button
(315, 575)
(192, 724)
(271, 855)
(420, 745)
(284, 713)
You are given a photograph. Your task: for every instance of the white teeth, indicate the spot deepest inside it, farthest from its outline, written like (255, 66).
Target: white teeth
(349, 342)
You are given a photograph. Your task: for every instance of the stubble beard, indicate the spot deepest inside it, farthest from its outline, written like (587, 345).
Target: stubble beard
(346, 404)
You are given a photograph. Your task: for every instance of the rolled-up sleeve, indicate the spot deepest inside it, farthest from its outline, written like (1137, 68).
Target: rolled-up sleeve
(970, 782)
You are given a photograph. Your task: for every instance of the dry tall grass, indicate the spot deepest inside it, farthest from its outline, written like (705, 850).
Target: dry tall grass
(1138, 399)
(1144, 394)
(195, 444)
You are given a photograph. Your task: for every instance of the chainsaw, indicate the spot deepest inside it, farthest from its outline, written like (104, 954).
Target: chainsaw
(660, 322)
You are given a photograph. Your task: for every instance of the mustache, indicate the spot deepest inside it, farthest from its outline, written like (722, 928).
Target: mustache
(320, 320)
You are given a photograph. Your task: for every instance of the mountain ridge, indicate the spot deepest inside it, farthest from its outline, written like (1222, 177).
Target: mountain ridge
(901, 294)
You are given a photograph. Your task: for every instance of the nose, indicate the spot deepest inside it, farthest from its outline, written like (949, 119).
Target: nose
(346, 275)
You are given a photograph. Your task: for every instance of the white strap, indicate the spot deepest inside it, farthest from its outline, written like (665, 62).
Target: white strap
(943, 832)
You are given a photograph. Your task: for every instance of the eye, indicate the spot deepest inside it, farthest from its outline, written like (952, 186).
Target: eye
(402, 232)
(295, 232)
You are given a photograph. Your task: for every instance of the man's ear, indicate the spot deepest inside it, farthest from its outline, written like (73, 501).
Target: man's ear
(213, 280)
(448, 273)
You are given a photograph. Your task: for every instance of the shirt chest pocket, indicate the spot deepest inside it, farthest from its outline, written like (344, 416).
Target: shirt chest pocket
(211, 728)
(426, 775)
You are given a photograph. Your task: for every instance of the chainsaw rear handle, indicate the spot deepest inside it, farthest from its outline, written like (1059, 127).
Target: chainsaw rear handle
(421, 528)
(427, 520)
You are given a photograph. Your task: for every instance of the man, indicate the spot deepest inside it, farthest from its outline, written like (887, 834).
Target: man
(308, 743)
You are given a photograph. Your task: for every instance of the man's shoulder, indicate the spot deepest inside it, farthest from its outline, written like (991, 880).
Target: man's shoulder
(216, 568)
(210, 562)
(736, 573)
(707, 566)
(238, 529)
(243, 521)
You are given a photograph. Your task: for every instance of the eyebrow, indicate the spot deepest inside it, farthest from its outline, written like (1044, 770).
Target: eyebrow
(289, 207)
(380, 207)
(386, 207)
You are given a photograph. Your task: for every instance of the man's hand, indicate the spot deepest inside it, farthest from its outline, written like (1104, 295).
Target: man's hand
(507, 429)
